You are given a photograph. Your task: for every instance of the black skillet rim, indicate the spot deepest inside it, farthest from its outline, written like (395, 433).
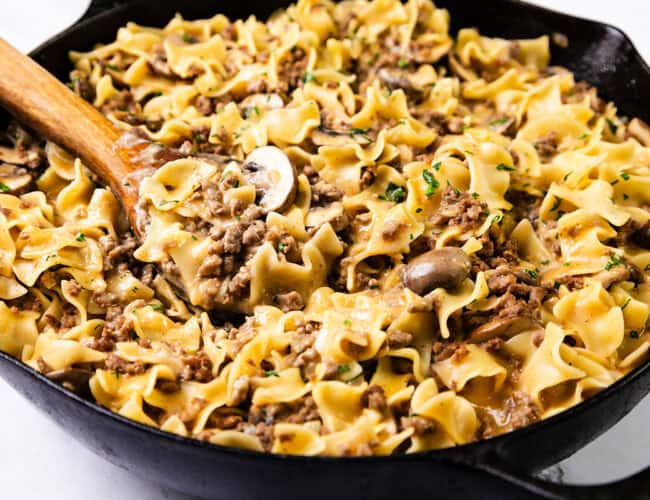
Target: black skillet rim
(438, 454)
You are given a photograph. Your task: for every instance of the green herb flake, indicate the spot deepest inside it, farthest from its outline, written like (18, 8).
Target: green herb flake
(341, 369)
(308, 76)
(583, 137)
(556, 285)
(625, 176)
(157, 306)
(281, 247)
(497, 218)
(252, 110)
(432, 183)
(436, 166)
(347, 323)
(411, 237)
(612, 126)
(503, 166)
(271, 373)
(647, 267)
(4, 188)
(614, 260)
(195, 238)
(403, 63)
(634, 334)
(625, 196)
(418, 210)
(112, 67)
(394, 193)
(614, 182)
(498, 121)
(567, 176)
(187, 38)
(626, 303)
(403, 121)
(545, 262)
(81, 237)
(167, 202)
(475, 195)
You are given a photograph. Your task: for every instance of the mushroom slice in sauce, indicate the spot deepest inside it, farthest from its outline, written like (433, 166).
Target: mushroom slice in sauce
(440, 268)
(274, 177)
(16, 156)
(502, 327)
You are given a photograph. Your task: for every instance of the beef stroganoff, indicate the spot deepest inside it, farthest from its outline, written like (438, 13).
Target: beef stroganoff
(361, 235)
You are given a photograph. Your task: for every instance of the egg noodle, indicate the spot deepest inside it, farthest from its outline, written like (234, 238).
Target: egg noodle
(274, 302)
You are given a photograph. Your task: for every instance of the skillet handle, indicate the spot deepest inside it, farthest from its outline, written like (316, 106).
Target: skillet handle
(634, 487)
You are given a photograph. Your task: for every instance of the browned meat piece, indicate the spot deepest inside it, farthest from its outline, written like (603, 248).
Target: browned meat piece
(398, 339)
(374, 398)
(460, 209)
(290, 301)
(120, 365)
(546, 145)
(197, 367)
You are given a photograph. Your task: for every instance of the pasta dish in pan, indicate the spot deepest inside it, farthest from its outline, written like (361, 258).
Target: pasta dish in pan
(362, 236)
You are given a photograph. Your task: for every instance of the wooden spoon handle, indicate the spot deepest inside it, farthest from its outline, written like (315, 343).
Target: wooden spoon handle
(39, 100)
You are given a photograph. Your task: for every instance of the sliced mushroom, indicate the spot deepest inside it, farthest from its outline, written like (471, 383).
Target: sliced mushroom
(640, 131)
(502, 327)
(15, 178)
(394, 79)
(75, 379)
(441, 268)
(17, 156)
(274, 177)
(332, 213)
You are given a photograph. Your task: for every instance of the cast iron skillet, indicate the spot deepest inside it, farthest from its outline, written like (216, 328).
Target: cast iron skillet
(496, 468)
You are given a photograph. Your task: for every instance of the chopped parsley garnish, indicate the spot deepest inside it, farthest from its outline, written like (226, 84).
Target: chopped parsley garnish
(583, 137)
(626, 303)
(625, 196)
(166, 202)
(403, 63)
(436, 166)
(567, 175)
(363, 132)
(634, 334)
(614, 182)
(614, 260)
(556, 285)
(402, 121)
(157, 306)
(499, 121)
(112, 67)
(545, 262)
(308, 77)
(347, 322)
(418, 210)
(341, 369)
(612, 126)
(503, 166)
(497, 218)
(475, 195)
(271, 373)
(432, 183)
(394, 193)
(647, 267)
(281, 247)
(194, 237)
(4, 188)
(556, 204)
(250, 111)
(625, 176)
(187, 38)
(81, 237)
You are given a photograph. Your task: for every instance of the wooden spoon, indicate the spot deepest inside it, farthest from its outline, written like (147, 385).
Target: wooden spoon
(41, 101)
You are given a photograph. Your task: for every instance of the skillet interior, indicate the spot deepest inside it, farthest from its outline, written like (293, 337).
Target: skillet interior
(599, 54)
